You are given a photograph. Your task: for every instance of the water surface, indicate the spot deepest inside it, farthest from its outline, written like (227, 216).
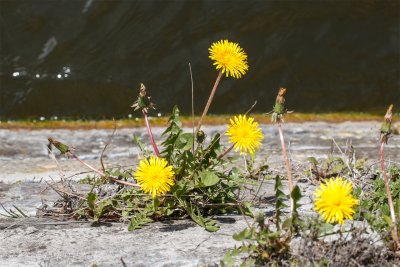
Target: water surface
(86, 58)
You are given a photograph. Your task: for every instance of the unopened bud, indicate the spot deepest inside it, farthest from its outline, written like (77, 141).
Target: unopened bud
(386, 128)
(200, 136)
(63, 148)
(279, 109)
(143, 102)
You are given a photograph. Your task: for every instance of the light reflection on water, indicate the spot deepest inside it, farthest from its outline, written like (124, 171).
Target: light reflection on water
(85, 59)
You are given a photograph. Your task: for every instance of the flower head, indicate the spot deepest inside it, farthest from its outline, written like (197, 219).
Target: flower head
(229, 57)
(334, 201)
(245, 134)
(154, 176)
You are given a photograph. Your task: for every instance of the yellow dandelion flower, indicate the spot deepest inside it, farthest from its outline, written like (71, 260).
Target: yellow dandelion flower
(154, 176)
(245, 134)
(334, 200)
(229, 57)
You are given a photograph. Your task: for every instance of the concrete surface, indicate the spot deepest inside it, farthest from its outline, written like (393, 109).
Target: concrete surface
(25, 167)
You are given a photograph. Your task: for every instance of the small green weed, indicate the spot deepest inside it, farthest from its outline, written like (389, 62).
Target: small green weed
(373, 202)
(265, 242)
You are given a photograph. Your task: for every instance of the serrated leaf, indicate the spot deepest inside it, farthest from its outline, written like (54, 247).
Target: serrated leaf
(280, 197)
(296, 194)
(245, 234)
(100, 208)
(208, 178)
(174, 121)
(212, 228)
(312, 160)
(185, 141)
(251, 262)
(211, 150)
(326, 228)
(91, 199)
(210, 225)
(235, 252)
(137, 223)
(287, 224)
(194, 213)
(228, 260)
(388, 220)
(175, 116)
(139, 142)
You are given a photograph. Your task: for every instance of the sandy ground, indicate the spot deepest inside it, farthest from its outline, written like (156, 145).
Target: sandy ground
(25, 166)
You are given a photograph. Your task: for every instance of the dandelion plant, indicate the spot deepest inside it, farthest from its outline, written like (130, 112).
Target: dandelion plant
(385, 134)
(278, 113)
(245, 134)
(229, 58)
(143, 102)
(334, 200)
(154, 176)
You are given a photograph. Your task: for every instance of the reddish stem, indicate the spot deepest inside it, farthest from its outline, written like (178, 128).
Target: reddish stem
(226, 152)
(389, 194)
(284, 152)
(153, 143)
(114, 179)
(210, 98)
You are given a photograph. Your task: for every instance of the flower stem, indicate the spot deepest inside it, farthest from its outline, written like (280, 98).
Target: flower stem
(156, 203)
(209, 101)
(284, 152)
(389, 195)
(225, 152)
(114, 179)
(153, 143)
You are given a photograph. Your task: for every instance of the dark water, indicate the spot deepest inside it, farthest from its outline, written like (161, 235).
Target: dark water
(87, 58)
